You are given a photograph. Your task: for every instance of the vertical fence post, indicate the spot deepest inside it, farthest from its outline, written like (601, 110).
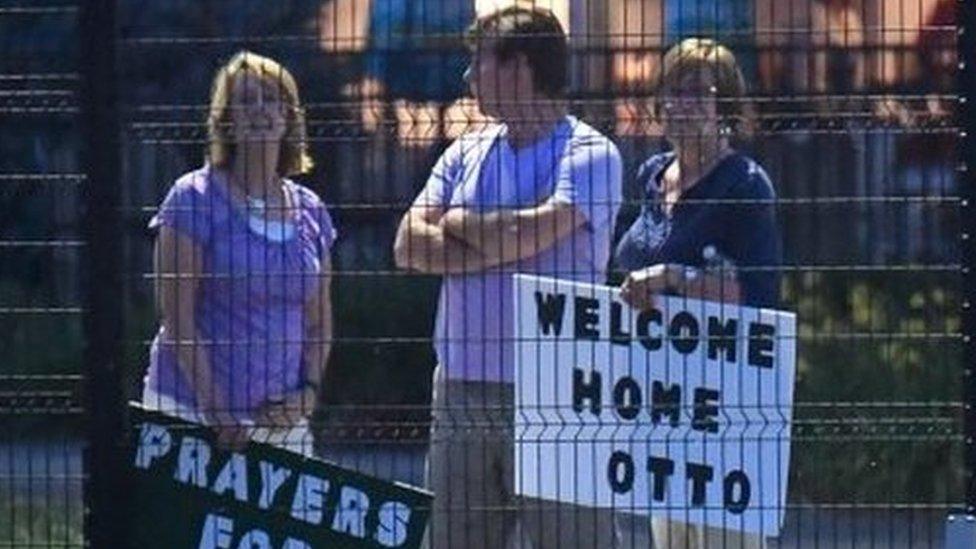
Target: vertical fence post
(961, 529)
(967, 183)
(104, 406)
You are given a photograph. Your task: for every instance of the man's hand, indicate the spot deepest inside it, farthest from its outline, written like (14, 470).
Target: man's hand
(639, 287)
(455, 222)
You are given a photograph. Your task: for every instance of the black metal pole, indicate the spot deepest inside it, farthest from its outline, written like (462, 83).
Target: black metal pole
(104, 406)
(967, 185)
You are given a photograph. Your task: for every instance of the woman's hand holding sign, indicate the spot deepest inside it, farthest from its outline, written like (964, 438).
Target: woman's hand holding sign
(294, 407)
(640, 286)
(232, 433)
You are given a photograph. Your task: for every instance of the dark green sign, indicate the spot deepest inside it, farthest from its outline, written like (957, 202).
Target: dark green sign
(191, 494)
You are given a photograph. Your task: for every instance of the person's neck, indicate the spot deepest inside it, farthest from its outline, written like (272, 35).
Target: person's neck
(697, 158)
(254, 171)
(533, 121)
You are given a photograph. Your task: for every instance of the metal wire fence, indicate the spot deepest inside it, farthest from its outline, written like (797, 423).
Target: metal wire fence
(40, 306)
(146, 258)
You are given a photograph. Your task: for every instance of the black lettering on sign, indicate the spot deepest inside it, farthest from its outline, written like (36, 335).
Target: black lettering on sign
(761, 337)
(618, 335)
(722, 337)
(627, 397)
(684, 332)
(661, 469)
(733, 480)
(665, 401)
(620, 472)
(706, 410)
(590, 390)
(551, 309)
(644, 320)
(700, 475)
(586, 318)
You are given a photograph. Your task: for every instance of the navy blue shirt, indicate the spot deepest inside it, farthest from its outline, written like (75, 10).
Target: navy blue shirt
(730, 210)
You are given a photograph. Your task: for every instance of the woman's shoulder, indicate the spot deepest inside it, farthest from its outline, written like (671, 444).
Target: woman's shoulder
(314, 211)
(307, 198)
(748, 178)
(197, 182)
(195, 189)
(191, 205)
(653, 164)
(650, 170)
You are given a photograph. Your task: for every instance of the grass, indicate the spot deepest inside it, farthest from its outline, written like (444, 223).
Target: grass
(36, 524)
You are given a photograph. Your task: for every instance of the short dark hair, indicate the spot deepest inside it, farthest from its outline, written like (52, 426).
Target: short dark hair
(533, 32)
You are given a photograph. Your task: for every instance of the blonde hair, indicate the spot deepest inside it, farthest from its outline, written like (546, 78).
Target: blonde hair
(294, 158)
(698, 55)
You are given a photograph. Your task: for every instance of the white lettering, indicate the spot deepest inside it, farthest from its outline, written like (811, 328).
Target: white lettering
(309, 499)
(154, 442)
(271, 480)
(233, 477)
(350, 517)
(255, 539)
(191, 466)
(392, 529)
(216, 532)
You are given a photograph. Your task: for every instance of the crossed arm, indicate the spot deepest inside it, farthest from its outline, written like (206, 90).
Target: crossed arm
(461, 240)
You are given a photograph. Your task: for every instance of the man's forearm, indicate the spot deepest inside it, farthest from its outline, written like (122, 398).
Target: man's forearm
(481, 230)
(500, 236)
(508, 235)
(428, 248)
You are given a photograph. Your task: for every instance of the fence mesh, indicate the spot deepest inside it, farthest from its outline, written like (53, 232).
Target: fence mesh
(40, 305)
(827, 183)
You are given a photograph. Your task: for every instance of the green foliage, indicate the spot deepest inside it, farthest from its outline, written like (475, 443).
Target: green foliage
(44, 522)
(878, 387)
(37, 343)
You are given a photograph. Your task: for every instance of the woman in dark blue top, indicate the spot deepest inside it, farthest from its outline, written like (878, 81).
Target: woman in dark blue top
(707, 228)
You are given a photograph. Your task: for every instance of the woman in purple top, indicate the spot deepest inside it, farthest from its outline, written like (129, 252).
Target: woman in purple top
(242, 270)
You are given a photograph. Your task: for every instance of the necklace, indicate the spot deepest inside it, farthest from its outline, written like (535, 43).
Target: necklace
(275, 230)
(257, 206)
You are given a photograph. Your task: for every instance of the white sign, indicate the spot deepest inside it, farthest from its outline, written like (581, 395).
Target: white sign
(681, 412)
